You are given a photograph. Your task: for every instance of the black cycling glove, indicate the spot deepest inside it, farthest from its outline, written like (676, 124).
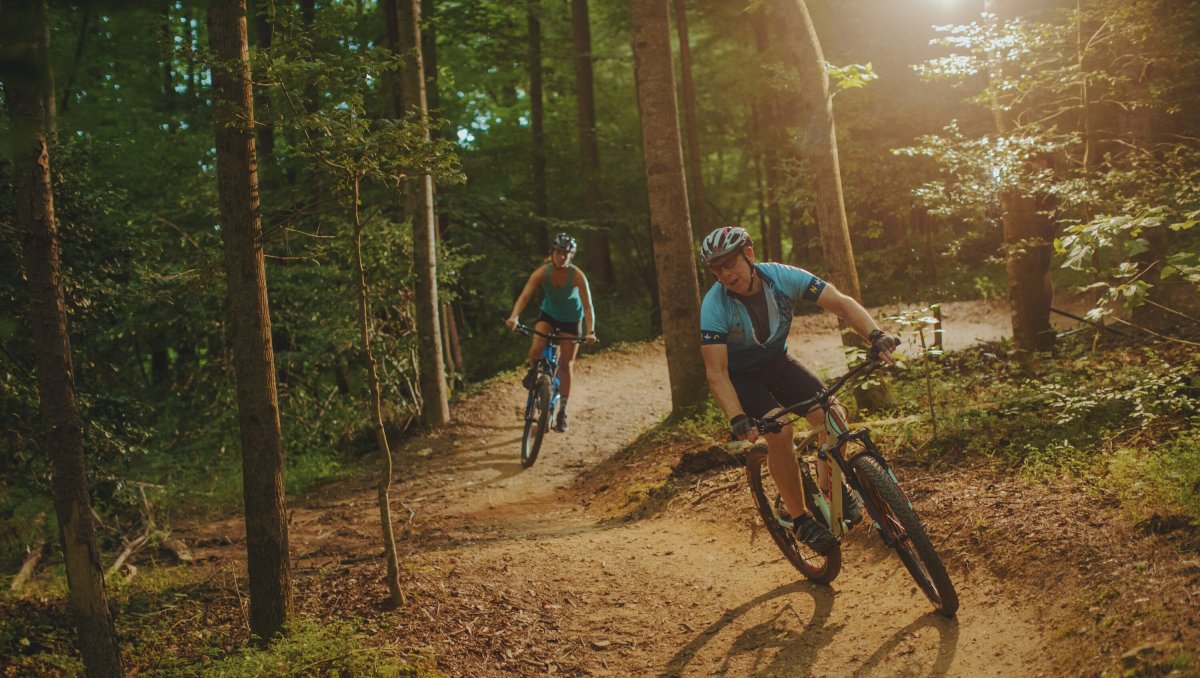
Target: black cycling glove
(740, 426)
(882, 343)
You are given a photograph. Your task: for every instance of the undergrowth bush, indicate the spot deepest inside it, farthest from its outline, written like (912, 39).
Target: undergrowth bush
(310, 649)
(1124, 420)
(1159, 479)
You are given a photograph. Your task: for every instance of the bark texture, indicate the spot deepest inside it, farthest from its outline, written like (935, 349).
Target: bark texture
(25, 36)
(695, 167)
(670, 226)
(597, 251)
(404, 25)
(1027, 251)
(803, 55)
(769, 137)
(253, 356)
(537, 127)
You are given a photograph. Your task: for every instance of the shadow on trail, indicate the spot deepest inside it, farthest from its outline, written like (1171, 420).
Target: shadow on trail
(796, 650)
(947, 645)
(773, 647)
(490, 446)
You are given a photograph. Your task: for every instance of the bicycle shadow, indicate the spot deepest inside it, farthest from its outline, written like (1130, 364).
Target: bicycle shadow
(947, 645)
(796, 649)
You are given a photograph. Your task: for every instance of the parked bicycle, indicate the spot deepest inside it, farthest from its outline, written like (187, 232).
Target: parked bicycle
(853, 455)
(541, 406)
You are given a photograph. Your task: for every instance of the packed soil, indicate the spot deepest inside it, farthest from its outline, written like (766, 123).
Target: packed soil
(613, 556)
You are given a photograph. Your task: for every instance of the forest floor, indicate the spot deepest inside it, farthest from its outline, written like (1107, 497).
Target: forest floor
(608, 557)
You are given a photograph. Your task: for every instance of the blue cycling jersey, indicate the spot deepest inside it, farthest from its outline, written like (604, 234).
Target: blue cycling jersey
(725, 320)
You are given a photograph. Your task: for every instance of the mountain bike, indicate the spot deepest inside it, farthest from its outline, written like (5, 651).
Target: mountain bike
(542, 404)
(853, 456)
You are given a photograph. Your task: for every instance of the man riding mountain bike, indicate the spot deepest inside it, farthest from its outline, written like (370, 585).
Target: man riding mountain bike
(744, 324)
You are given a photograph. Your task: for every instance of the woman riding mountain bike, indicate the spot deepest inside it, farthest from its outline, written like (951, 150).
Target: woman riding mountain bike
(744, 324)
(566, 308)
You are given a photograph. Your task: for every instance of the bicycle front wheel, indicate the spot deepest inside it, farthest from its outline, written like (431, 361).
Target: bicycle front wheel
(536, 421)
(901, 528)
(821, 569)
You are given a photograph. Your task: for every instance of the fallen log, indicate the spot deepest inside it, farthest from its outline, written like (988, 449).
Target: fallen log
(29, 566)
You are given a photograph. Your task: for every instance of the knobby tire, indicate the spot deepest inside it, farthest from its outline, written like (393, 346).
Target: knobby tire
(818, 568)
(536, 423)
(903, 524)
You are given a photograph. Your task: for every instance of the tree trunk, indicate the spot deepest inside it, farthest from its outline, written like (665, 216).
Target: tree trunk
(1027, 252)
(253, 356)
(264, 30)
(1028, 266)
(695, 167)
(670, 227)
(537, 128)
(769, 137)
(25, 37)
(84, 24)
(804, 57)
(597, 251)
(429, 59)
(456, 355)
(404, 19)
(396, 594)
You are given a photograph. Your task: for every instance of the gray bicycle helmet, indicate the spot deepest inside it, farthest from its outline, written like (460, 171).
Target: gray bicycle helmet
(563, 242)
(723, 241)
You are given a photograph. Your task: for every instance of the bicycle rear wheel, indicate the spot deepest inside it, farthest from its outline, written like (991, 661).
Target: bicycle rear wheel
(902, 529)
(536, 421)
(821, 569)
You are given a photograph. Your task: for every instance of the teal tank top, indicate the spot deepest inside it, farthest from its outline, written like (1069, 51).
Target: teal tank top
(562, 303)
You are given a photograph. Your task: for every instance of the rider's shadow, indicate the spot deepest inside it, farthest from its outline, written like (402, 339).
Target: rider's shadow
(947, 630)
(772, 646)
(783, 644)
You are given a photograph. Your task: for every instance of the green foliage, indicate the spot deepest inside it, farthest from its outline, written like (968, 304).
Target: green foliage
(850, 76)
(1124, 422)
(1058, 82)
(172, 626)
(1159, 479)
(309, 648)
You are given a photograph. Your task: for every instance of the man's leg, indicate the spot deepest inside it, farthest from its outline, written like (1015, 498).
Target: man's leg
(852, 507)
(816, 419)
(781, 462)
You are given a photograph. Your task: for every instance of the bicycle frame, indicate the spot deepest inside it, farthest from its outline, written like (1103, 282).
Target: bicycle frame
(547, 363)
(838, 436)
(868, 473)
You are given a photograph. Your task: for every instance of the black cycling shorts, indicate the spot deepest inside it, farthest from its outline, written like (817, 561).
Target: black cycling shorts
(574, 327)
(782, 382)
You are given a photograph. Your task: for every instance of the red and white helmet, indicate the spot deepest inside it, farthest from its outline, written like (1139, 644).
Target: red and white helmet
(723, 241)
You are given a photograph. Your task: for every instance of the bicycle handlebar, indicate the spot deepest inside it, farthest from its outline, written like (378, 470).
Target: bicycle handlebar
(525, 329)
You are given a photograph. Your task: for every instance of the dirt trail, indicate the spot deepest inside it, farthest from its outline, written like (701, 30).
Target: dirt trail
(691, 592)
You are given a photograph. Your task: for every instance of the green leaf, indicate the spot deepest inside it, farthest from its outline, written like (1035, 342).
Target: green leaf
(1136, 246)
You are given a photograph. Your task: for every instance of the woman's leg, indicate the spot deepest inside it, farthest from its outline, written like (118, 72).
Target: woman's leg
(566, 357)
(539, 343)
